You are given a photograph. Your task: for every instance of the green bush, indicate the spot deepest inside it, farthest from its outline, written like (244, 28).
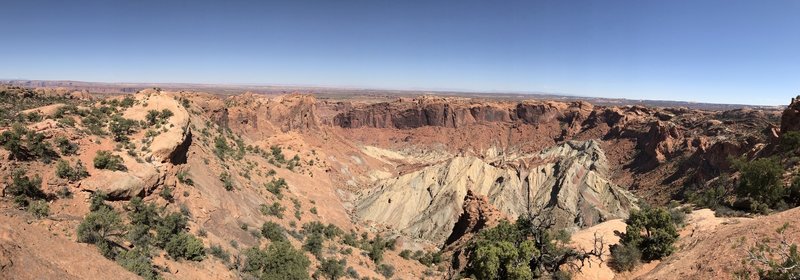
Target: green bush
(107, 160)
(279, 261)
(226, 180)
(314, 244)
(98, 227)
(218, 252)
(524, 250)
(185, 246)
(121, 127)
(65, 171)
(790, 141)
(24, 144)
(275, 209)
(652, 231)
(221, 148)
(405, 254)
(331, 268)
(66, 147)
(760, 181)
(624, 258)
(386, 270)
(39, 209)
(169, 226)
(275, 186)
(23, 187)
(166, 194)
(138, 262)
(273, 231)
(183, 177)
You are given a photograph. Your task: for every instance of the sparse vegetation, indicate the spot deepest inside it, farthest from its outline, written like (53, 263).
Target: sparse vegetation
(66, 147)
(227, 182)
(524, 250)
(65, 171)
(24, 145)
(121, 128)
(276, 186)
(274, 209)
(273, 231)
(24, 189)
(650, 235)
(772, 258)
(331, 269)
(279, 261)
(107, 160)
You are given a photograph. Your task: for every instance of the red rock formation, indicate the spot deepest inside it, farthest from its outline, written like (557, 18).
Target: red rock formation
(790, 120)
(478, 214)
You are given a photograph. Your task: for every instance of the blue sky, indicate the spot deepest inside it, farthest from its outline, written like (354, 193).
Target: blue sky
(724, 51)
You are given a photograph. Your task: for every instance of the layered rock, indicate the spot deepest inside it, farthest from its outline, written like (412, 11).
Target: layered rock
(426, 111)
(568, 181)
(790, 120)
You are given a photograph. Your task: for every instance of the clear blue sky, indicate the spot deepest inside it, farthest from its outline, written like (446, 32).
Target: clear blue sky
(724, 51)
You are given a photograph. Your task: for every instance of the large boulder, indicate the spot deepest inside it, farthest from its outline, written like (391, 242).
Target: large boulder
(119, 185)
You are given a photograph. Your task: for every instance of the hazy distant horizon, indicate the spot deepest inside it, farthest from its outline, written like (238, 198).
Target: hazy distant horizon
(407, 90)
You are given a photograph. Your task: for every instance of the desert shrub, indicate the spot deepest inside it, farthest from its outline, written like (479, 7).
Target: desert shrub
(66, 147)
(24, 144)
(185, 246)
(221, 148)
(39, 209)
(98, 200)
(314, 244)
(352, 273)
(107, 160)
(183, 177)
(274, 209)
(377, 247)
(350, 239)
(524, 250)
(138, 262)
(218, 252)
(773, 258)
(386, 270)
(430, 258)
(275, 186)
(152, 117)
(127, 102)
(169, 226)
(652, 231)
(405, 254)
(790, 141)
(166, 194)
(313, 210)
(331, 269)
(760, 181)
(226, 180)
(715, 195)
(121, 127)
(273, 231)
(142, 213)
(279, 261)
(25, 188)
(65, 171)
(624, 258)
(277, 154)
(98, 227)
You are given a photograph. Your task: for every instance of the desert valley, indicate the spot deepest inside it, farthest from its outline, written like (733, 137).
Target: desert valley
(126, 181)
